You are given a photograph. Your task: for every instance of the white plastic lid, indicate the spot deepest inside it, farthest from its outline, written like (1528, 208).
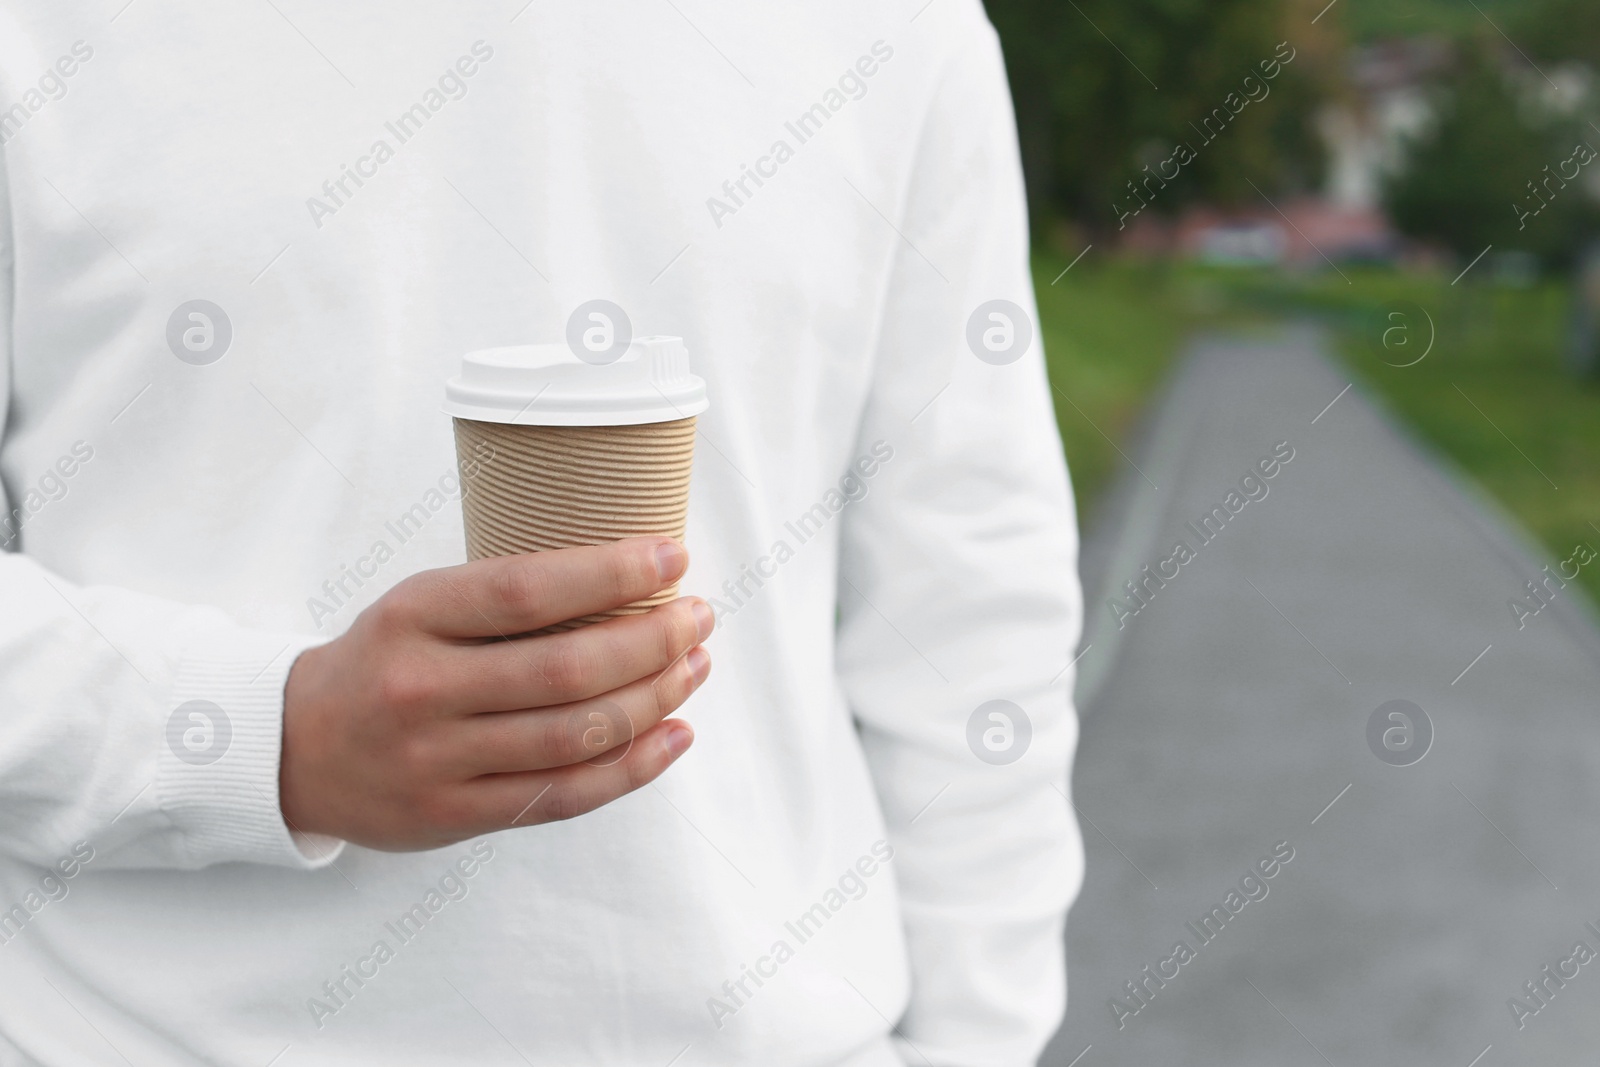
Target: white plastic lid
(548, 385)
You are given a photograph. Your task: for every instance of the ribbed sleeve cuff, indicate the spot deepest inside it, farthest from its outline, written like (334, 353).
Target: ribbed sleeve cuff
(218, 765)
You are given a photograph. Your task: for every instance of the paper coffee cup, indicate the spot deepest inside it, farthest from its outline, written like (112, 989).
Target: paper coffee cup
(557, 451)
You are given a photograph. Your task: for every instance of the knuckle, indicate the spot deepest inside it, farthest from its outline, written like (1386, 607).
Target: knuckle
(390, 612)
(406, 686)
(609, 726)
(669, 693)
(671, 633)
(555, 740)
(518, 585)
(564, 804)
(686, 628)
(568, 667)
(444, 811)
(414, 759)
(638, 772)
(631, 573)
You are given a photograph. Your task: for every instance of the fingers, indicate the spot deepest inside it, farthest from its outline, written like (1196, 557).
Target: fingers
(601, 730)
(501, 801)
(538, 672)
(508, 595)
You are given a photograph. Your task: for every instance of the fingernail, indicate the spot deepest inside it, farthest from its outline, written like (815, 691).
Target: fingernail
(705, 620)
(671, 560)
(699, 665)
(678, 740)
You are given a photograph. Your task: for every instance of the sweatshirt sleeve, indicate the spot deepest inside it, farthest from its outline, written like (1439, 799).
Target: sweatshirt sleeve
(959, 599)
(147, 730)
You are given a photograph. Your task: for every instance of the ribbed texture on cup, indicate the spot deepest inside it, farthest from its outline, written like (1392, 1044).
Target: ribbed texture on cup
(536, 488)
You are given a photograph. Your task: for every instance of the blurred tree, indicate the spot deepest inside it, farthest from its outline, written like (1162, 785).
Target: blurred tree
(1494, 169)
(1558, 30)
(1104, 88)
(1376, 20)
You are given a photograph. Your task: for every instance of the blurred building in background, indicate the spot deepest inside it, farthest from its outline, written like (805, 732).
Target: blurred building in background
(1389, 105)
(1353, 132)
(1298, 233)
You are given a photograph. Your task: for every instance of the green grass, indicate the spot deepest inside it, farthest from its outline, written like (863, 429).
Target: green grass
(1110, 334)
(1491, 394)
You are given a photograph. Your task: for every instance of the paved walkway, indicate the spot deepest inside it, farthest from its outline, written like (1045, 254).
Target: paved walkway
(1230, 714)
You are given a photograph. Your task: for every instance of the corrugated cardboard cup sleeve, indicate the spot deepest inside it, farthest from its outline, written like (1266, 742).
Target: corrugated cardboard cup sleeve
(537, 488)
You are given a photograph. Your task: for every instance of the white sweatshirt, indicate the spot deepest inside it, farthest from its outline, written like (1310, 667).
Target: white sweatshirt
(818, 198)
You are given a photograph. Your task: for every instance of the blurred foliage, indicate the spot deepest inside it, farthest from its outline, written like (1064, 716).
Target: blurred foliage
(1490, 170)
(1371, 20)
(1106, 87)
(1558, 30)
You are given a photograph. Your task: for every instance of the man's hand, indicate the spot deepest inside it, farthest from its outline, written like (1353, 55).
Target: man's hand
(421, 726)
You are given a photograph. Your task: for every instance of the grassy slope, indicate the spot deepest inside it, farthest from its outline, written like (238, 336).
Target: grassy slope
(1110, 336)
(1112, 330)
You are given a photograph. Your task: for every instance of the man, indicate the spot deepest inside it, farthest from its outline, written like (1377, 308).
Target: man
(271, 790)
